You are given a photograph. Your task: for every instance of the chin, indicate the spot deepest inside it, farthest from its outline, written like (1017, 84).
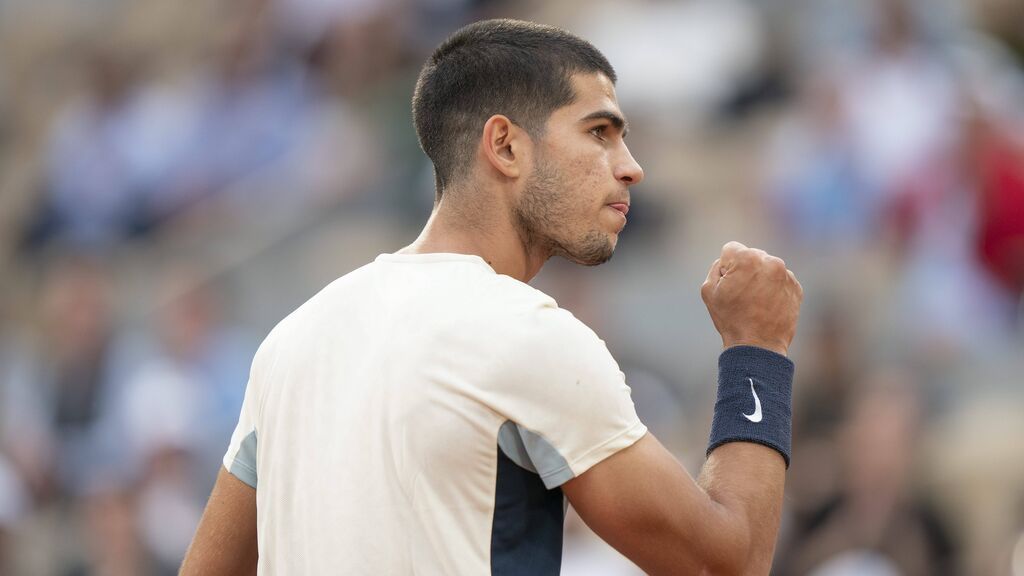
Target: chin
(596, 261)
(593, 250)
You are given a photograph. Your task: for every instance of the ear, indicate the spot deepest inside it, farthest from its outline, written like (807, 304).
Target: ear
(504, 146)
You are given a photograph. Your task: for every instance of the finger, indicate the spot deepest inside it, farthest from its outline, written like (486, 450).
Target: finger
(732, 248)
(731, 253)
(799, 287)
(711, 281)
(775, 265)
(715, 272)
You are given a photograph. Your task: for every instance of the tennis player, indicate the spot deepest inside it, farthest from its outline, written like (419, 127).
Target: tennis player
(431, 413)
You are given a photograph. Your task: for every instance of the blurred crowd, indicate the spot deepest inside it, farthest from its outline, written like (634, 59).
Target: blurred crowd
(177, 176)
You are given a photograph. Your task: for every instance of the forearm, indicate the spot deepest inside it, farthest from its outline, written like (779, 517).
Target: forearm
(748, 452)
(225, 541)
(745, 483)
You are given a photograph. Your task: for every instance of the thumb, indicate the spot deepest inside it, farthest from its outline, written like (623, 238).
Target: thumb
(730, 252)
(711, 282)
(715, 272)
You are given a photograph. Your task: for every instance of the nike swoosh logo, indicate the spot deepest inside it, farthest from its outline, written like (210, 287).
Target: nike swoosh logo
(756, 416)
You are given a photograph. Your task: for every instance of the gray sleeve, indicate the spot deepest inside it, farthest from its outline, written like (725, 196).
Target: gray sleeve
(243, 465)
(531, 451)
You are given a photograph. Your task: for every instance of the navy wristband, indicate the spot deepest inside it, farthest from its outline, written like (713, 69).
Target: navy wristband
(755, 393)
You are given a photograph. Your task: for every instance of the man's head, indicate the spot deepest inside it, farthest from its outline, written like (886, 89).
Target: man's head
(518, 69)
(534, 107)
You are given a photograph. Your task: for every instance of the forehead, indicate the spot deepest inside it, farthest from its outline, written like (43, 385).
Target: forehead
(594, 92)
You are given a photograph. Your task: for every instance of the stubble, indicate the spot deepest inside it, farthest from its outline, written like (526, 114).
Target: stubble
(545, 216)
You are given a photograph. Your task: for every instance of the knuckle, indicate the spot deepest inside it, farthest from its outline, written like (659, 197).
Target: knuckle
(733, 247)
(705, 292)
(774, 265)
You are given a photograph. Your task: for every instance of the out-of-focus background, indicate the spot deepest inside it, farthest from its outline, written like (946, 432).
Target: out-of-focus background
(175, 177)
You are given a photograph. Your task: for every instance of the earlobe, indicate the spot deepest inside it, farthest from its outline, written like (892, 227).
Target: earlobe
(501, 142)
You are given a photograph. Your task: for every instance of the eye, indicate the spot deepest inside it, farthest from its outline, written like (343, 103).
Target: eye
(598, 131)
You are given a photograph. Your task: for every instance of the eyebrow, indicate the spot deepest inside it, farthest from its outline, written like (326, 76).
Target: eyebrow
(616, 120)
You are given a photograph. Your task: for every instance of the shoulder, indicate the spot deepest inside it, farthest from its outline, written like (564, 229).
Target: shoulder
(535, 315)
(540, 336)
(528, 313)
(517, 298)
(300, 324)
(309, 315)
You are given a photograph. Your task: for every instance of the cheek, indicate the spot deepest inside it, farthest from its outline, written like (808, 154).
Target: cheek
(589, 173)
(581, 178)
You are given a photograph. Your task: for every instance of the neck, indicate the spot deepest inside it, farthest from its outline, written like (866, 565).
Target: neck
(490, 234)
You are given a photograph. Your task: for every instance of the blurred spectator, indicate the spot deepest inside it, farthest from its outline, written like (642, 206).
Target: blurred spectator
(981, 480)
(705, 49)
(875, 524)
(178, 410)
(1002, 18)
(998, 161)
(869, 151)
(824, 385)
(815, 187)
(93, 185)
(58, 426)
(57, 396)
(901, 104)
(14, 503)
(268, 128)
(871, 160)
(252, 126)
(337, 153)
(240, 113)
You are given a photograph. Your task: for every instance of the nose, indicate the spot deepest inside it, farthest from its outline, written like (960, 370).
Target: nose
(627, 170)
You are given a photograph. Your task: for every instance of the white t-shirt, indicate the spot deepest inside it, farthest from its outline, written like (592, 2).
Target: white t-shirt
(417, 416)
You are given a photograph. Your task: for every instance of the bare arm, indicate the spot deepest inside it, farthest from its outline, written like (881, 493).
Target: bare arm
(225, 542)
(746, 481)
(642, 501)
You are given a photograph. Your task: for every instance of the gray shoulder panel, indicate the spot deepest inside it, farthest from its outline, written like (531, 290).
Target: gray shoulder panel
(532, 452)
(244, 465)
(511, 443)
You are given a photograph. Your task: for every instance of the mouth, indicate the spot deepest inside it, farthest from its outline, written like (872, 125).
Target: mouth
(622, 207)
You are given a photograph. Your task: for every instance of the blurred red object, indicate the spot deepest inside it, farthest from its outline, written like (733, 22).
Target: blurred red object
(1001, 225)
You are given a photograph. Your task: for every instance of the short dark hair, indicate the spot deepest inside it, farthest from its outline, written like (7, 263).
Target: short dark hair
(522, 70)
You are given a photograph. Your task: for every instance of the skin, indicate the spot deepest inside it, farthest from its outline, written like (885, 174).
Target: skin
(524, 201)
(225, 541)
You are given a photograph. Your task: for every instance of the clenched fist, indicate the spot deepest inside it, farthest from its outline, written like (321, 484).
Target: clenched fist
(753, 299)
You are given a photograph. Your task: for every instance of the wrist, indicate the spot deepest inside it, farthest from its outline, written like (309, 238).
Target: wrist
(776, 346)
(754, 399)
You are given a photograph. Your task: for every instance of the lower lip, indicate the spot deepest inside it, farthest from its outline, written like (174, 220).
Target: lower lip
(619, 209)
